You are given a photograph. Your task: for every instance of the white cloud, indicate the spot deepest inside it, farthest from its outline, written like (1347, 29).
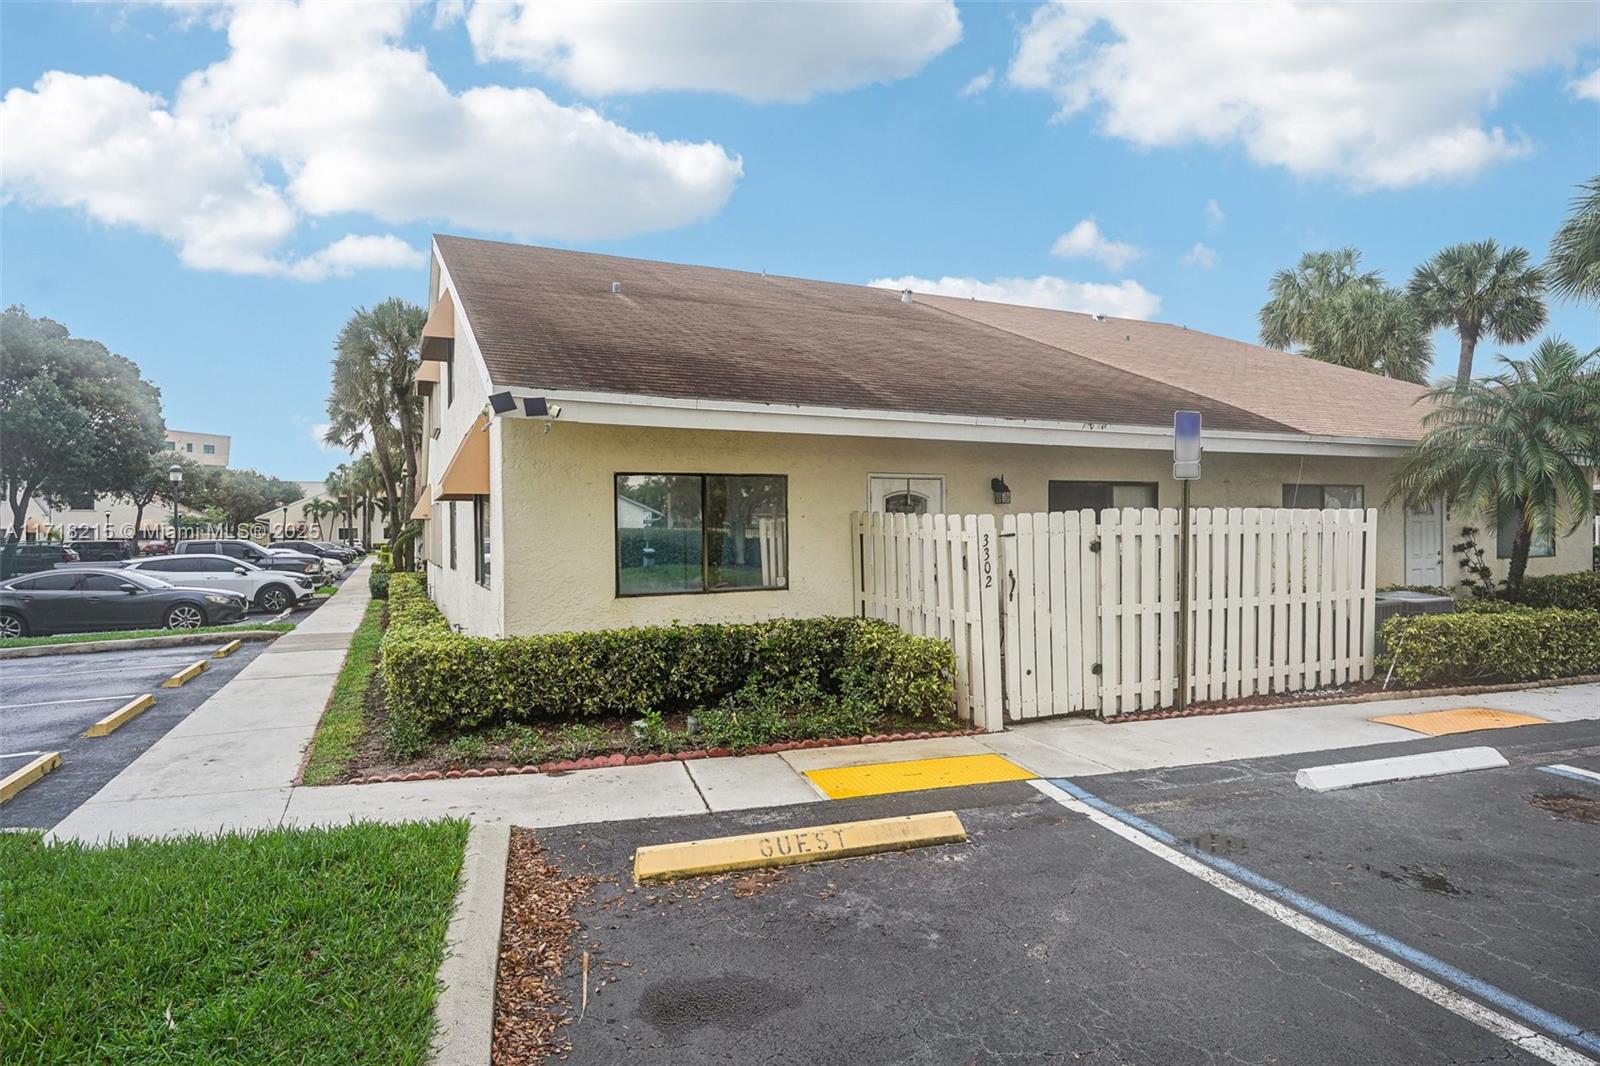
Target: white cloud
(1380, 94)
(319, 431)
(979, 84)
(1214, 215)
(1588, 86)
(1201, 256)
(1125, 299)
(348, 254)
(776, 50)
(1085, 241)
(327, 96)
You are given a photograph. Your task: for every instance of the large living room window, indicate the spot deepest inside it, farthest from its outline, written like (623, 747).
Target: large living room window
(1539, 546)
(1325, 497)
(1100, 495)
(687, 533)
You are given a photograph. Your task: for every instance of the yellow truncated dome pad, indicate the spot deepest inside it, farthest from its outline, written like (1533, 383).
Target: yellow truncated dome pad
(1458, 720)
(882, 778)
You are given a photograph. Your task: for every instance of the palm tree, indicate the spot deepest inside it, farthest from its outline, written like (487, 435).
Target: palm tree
(1330, 310)
(371, 404)
(1480, 290)
(318, 509)
(1524, 439)
(1574, 263)
(1376, 330)
(1296, 294)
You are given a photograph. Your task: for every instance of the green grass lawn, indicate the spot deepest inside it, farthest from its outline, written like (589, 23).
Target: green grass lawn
(133, 634)
(326, 590)
(305, 947)
(333, 748)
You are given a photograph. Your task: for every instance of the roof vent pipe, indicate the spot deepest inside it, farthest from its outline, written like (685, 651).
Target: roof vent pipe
(905, 296)
(1099, 317)
(616, 288)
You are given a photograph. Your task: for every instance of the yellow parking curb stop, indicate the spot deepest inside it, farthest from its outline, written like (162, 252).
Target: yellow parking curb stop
(188, 673)
(1458, 720)
(786, 847)
(121, 716)
(227, 649)
(19, 779)
(914, 775)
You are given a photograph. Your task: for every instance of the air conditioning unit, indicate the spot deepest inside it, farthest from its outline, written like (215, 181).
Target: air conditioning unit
(1389, 604)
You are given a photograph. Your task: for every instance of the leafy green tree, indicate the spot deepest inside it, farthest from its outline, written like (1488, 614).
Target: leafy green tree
(1480, 290)
(1574, 261)
(1329, 309)
(371, 404)
(74, 418)
(1523, 440)
(1295, 295)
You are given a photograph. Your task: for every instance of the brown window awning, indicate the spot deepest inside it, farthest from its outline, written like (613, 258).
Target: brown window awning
(468, 473)
(429, 372)
(439, 332)
(424, 508)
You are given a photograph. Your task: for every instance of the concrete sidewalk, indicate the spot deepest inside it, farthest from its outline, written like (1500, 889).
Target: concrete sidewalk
(232, 763)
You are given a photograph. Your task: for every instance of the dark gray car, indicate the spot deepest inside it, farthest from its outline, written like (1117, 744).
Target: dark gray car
(81, 599)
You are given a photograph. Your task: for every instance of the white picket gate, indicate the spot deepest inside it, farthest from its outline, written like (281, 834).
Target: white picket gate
(938, 576)
(1085, 615)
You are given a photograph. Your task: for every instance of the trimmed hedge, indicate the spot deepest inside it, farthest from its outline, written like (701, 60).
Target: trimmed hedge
(378, 584)
(1578, 591)
(1512, 644)
(437, 678)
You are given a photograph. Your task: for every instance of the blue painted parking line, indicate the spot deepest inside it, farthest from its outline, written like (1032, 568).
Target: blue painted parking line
(1505, 1001)
(1588, 777)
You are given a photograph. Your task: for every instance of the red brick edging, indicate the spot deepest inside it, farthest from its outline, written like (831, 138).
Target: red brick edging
(601, 761)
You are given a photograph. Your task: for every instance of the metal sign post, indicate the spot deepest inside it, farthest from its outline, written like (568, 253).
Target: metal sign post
(1185, 468)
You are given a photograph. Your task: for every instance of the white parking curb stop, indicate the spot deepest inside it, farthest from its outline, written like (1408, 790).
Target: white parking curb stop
(1401, 768)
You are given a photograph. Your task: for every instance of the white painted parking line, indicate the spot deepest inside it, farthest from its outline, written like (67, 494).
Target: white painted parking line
(57, 703)
(1211, 869)
(20, 754)
(1577, 773)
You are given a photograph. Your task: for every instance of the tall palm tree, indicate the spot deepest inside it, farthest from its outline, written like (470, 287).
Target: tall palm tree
(1522, 440)
(371, 404)
(1574, 263)
(1480, 290)
(1297, 294)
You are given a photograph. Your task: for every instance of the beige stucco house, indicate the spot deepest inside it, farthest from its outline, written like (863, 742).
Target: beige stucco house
(614, 442)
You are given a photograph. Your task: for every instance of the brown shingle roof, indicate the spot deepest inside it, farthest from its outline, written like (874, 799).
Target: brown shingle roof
(1311, 396)
(546, 318)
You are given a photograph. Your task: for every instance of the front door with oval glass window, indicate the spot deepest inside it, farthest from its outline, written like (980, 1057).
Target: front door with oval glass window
(906, 494)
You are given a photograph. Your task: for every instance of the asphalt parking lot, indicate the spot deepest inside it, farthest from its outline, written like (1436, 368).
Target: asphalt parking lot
(48, 701)
(1116, 927)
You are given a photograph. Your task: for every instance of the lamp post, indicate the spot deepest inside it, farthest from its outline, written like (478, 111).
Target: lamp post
(175, 475)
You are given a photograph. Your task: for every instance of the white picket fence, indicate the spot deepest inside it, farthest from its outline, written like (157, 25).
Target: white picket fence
(938, 576)
(1086, 621)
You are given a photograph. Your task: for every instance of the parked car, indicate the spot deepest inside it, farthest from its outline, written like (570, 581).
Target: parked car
(156, 547)
(103, 551)
(267, 590)
(330, 568)
(255, 554)
(86, 600)
(18, 559)
(316, 547)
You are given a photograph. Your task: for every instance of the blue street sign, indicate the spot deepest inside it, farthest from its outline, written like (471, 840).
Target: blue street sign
(1186, 445)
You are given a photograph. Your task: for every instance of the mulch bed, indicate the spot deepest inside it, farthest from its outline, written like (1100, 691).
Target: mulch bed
(537, 930)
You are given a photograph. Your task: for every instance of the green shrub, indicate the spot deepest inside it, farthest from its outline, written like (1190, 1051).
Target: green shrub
(436, 678)
(579, 740)
(1505, 645)
(1573, 592)
(378, 583)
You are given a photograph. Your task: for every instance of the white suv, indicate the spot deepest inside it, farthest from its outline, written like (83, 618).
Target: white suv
(266, 590)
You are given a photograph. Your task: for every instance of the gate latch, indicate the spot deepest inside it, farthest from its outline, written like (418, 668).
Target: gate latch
(1094, 545)
(1095, 669)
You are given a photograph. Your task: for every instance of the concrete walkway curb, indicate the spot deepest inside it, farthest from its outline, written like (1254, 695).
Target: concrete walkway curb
(464, 1012)
(135, 644)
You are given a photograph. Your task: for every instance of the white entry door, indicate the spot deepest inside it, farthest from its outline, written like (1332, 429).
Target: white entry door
(906, 493)
(1425, 544)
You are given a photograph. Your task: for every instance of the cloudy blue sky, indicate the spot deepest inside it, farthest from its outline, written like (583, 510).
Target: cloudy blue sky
(210, 189)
